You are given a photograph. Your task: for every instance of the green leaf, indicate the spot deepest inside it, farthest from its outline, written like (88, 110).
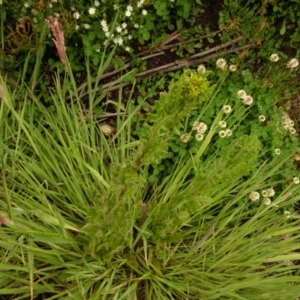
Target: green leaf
(283, 28)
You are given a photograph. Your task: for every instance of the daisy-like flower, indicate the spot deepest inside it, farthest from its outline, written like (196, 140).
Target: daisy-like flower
(227, 109)
(293, 130)
(274, 57)
(296, 180)
(287, 214)
(254, 196)
(222, 124)
(241, 94)
(267, 201)
(228, 132)
(124, 25)
(86, 26)
(185, 137)
(119, 29)
(232, 68)
(221, 63)
(264, 193)
(201, 69)
(97, 3)
(129, 37)
(293, 63)
(144, 12)
(199, 137)
(127, 49)
(248, 100)
(76, 15)
(136, 25)
(200, 127)
(222, 133)
(92, 10)
(277, 151)
(291, 123)
(261, 118)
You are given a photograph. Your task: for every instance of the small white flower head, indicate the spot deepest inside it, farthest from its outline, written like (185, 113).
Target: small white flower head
(222, 133)
(92, 10)
(116, 6)
(221, 63)
(72, 8)
(26, 4)
(129, 37)
(241, 94)
(50, 5)
(77, 27)
(127, 13)
(127, 49)
(34, 19)
(293, 130)
(228, 132)
(124, 25)
(136, 25)
(274, 57)
(118, 41)
(222, 124)
(200, 127)
(199, 137)
(129, 8)
(119, 29)
(201, 69)
(270, 192)
(97, 3)
(76, 15)
(86, 26)
(293, 63)
(267, 201)
(264, 193)
(248, 100)
(185, 137)
(261, 118)
(296, 180)
(254, 196)
(277, 151)
(291, 123)
(227, 109)
(144, 12)
(287, 214)
(233, 68)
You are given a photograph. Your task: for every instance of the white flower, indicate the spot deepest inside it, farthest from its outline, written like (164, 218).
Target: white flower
(277, 151)
(227, 109)
(293, 130)
(291, 123)
(144, 12)
(221, 64)
(86, 26)
(76, 15)
(274, 57)
(50, 5)
(34, 19)
(248, 100)
(92, 10)
(267, 201)
(76, 27)
(200, 127)
(72, 8)
(127, 13)
(199, 137)
(293, 63)
(296, 180)
(222, 124)
(118, 41)
(129, 8)
(97, 3)
(287, 214)
(56, 15)
(116, 7)
(185, 137)
(232, 68)
(262, 118)
(127, 49)
(264, 193)
(254, 196)
(222, 133)
(270, 192)
(124, 25)
(119, 29)
(201, 69)
(129, 37)
(241, 94)
(228, 132)
(26, 5)
(136, 25)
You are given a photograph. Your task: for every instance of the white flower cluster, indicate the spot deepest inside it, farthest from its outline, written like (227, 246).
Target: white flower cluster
(293, 63)
(201, 69)
(266, 194)
(226, 132)
(221, 64)
(288, 124)
(128, 11)
(200, 128)
(247, 99)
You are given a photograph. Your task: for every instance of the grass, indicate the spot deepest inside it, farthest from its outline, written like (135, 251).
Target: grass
(150, 210)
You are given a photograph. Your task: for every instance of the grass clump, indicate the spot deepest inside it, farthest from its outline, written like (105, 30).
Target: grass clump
(82, 220)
